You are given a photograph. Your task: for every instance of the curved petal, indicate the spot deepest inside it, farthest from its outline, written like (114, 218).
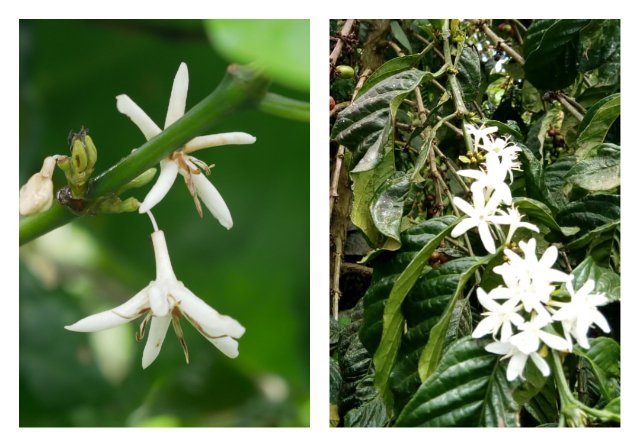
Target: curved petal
(157, 332)
(178, 98)
(486, 238)
(122, 314)
(213, 200)
(486, 326)
(600, 321)
(464, 206)
(464, 226)
(553, 341)
(126, 106)
(473, 173)
(516, 366)
(227, 345)
(220, 139)
(168, 174)
(526, 342)
(498, 348)
(549, 257)
(203, 317)
(164, 271)
(541, 364)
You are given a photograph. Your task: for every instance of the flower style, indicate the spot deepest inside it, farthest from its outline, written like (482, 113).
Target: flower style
(518, 359)
(581, 312)
(180, 161)
(480, 214)
(165, 301)
(499, 317)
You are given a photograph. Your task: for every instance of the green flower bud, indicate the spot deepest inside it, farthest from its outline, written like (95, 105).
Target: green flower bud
(139, 181)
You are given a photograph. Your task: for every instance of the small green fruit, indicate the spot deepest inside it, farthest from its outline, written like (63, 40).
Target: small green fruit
(345, 71)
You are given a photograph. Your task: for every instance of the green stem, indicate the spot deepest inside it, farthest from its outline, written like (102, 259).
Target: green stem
(241, 87)
(284, 107)
(572, 411)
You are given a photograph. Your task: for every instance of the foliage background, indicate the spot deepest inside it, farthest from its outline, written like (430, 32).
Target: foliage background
(70, 73)
(401, 351)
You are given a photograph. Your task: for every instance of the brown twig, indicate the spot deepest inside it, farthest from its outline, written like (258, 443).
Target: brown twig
(335, 54)
(501, 44)
(453, 168)
(426, 42)
(335, 280)
(565, 259)
(338, 107)
(570, 108)
(574, 103)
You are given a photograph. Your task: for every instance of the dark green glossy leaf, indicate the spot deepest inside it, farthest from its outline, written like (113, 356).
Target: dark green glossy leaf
(365, 184)
(534, 180)
(432, 352)
(544, 405)
(469, 389)
(594, 235)
(371, 413)
(596, 123)
(511, 128)
(390, 68)
(365, 126)
(335, 380)
(600, 41)
(551, 53)
(553, 178)
(423, 308)
(553, 118)
(600, 173)
(606, 281)
(392, 317)
(538, 212)
(469, 75)
(388, 204)
(590, 212)
(604, 358)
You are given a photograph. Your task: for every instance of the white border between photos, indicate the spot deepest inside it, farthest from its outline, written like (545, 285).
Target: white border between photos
(319, 12)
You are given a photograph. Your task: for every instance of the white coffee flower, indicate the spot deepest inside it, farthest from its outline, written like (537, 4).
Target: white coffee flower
(480, 214)
(490, 180)
(532, 333)
(578, 315)
(513, 218)
(180, 161)
(498, 317)
(518, 359)
(164, 301)
(481, 135)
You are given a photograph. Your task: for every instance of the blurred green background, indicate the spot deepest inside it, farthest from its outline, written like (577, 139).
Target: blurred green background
(258, 272)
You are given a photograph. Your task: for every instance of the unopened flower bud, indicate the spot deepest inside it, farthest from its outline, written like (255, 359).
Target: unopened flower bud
(37, 194)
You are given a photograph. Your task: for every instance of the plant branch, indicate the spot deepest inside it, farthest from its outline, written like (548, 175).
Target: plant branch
(570, 108)
(502, 45)
(335, 54)
(284, 107)
(240, 88)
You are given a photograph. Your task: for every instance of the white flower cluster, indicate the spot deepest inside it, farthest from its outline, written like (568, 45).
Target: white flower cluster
(520, 314)
(490, 191)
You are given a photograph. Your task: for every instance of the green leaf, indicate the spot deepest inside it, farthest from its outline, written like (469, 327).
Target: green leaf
(534, 180)
(393, 319)
(531, 99)
(469, 75)
(279, 47)
(551, 53)
(430, 356)
(606, 281)
(372, 413)
(596, 123)
(511, 128)
(590, 212)
(365, 184)
(544, 405)
(600, 41)
(388, 204)
(540, 213)
(365, 126)
(600, 173)
(335, 380)
(604, 358)
(594, 235)
(538, 133)
(553, 178)
(469, 389)
(398, 33)
(390, 68)
(423, 308)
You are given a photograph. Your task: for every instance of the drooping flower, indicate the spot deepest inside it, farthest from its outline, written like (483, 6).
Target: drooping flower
(37, 194)
(164, 301)
(518, 359)
(180, 161)
(499, 317)
(481, 214)
(581, 312)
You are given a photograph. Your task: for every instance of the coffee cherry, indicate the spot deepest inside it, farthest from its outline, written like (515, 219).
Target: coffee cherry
(345, 71)
(332, 103)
